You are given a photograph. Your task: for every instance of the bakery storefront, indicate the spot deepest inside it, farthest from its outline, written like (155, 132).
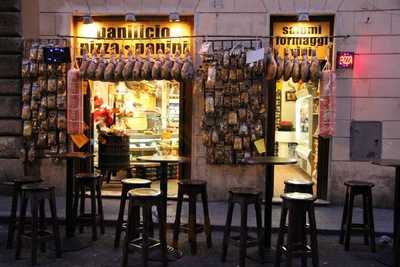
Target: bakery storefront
(136, 94)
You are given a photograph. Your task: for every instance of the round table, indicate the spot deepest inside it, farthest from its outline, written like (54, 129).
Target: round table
(269, 162)
(173, 254)
(395, 163)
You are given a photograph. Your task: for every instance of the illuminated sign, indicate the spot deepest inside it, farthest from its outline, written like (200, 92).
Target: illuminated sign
(306, 36)
(119, 34)
(344, 60)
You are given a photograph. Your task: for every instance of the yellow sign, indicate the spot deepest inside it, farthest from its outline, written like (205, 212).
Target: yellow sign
(119, 34)
(79, 140)
(306, 36)
(260, 146)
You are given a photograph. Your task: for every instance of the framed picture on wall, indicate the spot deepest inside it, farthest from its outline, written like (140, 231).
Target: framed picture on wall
(290, 96)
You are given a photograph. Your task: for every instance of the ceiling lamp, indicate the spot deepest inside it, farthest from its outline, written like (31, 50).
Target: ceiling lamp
(87, 19)
(174, 17)
(130, 17)
(303, 16)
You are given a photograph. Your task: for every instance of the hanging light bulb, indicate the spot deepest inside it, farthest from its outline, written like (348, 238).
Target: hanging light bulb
(303, 16)
(174, 17)
(130, 17)
(87, 19)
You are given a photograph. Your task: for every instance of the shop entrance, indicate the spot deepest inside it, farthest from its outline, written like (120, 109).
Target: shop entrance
(296, 132)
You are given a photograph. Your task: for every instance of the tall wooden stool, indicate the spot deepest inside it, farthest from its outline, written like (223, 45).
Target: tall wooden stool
(37, 194)
(92, 182)
(298, 185)
(192, 188)
(16, 185)
(127, 185)
(354, 188)
(298, 206)
(244, 197)
(145, 198)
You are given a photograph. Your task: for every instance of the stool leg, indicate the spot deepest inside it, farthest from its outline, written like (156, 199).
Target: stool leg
(120, 220)
(365, 219)
(75, 205)
(192, 223)
(21, 225)
(100, 206)
(93, 211)
(54, 219)
(349, 222)
(82, 190)
(163, 234)
(243, 234)
(207, 224)
(313, 233)
(145, 235)
(371, 225)
(282, 226)
(42, 223)
(227, 230)
(344, 216)
(13, 217)
(260, 236)
(34, 212)
(177, 219)
(128, 234)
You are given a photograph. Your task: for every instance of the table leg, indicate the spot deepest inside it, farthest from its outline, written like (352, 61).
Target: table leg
(269, 191)
(396, 220)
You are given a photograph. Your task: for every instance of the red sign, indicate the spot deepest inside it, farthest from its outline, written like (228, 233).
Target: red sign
(344, 60)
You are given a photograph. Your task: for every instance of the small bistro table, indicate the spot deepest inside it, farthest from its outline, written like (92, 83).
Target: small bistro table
(396, 216)
(70, 243)
(269, 162)
(164, 161)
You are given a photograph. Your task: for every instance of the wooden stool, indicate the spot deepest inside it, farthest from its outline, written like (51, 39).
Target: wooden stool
(244, 197)
(298, 205)
(92, 182)
(127, 185)
(37, 194)
(16, 185)
(354, 188)
(192, 188)
(298, 185)
(145, 198)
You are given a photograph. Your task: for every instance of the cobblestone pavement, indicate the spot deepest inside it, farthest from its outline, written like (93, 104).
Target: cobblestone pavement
(102, 254)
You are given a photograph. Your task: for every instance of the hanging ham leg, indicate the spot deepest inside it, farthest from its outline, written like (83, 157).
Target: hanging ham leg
(305, 68)
(314, 68)
(271, 65)
(279, 65)
(287, 66)
(296, 67)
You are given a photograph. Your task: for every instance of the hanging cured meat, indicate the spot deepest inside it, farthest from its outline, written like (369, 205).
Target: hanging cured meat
(176, 68)
(287, 66)
(279, 65)
(101, 66)
(187, 71)
(305, 68)
(84, 65)
(296, 67)
(167, 66)
(91, 70)
(156, 69)
(271, 65)
(314, 68)
(138, 66)
(75, 104)
(109, 70)
(120, 66)
(127, 71)
(145, 72)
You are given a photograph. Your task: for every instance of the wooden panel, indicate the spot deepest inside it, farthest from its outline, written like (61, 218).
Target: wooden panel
(10, 66)
(10, 107)
(10, 127)
(10, 24)
(10, 87)
(10, 45)
(10, 146)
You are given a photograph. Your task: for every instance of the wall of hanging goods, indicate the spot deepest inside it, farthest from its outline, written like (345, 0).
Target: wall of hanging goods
(44, 69)
(234, 106)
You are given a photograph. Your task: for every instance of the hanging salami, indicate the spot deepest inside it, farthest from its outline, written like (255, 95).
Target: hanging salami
(75, 102)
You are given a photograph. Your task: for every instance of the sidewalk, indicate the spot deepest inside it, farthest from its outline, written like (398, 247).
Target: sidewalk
(328, 217)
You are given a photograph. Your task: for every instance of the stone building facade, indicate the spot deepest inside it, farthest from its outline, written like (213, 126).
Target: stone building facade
(371, 91)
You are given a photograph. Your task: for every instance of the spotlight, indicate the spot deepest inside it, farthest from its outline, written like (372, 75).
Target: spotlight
(87, 19)
(174, 17)
(303, 16)
(130, 17)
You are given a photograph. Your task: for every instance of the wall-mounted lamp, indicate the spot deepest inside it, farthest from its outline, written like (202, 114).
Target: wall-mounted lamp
(303, 16)
(130, 17)
(87, 19)
(174, 17)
